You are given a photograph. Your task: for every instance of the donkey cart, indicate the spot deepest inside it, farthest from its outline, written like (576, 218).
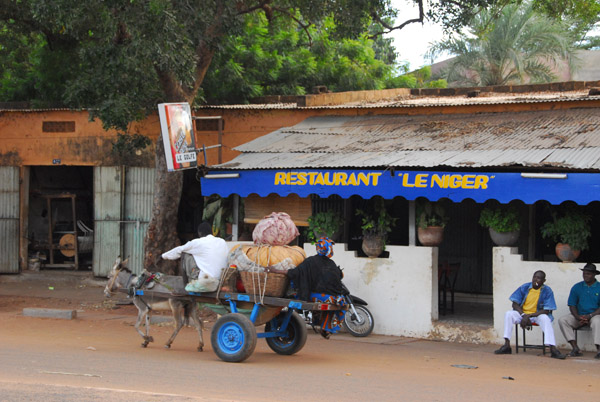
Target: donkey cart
(233, 337)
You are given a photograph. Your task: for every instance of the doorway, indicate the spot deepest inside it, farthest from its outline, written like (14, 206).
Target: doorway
(60, 217)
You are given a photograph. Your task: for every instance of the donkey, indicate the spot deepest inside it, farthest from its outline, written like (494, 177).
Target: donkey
(121, 277)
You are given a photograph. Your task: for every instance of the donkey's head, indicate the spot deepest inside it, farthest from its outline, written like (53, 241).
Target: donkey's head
(114, 281)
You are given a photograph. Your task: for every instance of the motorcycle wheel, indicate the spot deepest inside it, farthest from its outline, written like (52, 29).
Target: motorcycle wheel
(355, 328)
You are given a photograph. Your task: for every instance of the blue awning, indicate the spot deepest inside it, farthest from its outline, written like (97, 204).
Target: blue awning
(555, 188)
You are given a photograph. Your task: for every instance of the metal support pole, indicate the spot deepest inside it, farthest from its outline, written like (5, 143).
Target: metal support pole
(220, 124)
(412, 227)
(531, 239)
(235, 226)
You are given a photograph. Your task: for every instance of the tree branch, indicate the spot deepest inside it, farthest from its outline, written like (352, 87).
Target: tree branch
(389, 28)
(248, 10)
(302, 25)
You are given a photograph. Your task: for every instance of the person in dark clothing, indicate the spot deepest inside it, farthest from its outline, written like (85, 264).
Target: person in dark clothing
(318, 273)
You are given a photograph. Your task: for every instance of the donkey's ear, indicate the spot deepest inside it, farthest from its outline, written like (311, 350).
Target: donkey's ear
(124, 263)
(116, 264)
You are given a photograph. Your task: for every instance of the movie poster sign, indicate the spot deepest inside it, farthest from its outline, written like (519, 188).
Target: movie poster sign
(178, 135)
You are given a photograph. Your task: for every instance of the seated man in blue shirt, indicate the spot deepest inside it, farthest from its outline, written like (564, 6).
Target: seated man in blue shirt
(532, 303)
(584, 304)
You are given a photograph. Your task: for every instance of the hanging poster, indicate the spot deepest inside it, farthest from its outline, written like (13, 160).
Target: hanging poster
(178, 135)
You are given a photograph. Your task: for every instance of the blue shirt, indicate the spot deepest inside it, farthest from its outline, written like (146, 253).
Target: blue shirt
(585, 298)
(545, 302)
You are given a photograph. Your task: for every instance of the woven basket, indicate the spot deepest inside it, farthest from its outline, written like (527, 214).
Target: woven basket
(255, 283)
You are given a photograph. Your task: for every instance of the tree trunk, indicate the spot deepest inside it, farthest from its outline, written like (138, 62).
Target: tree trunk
(162, 229)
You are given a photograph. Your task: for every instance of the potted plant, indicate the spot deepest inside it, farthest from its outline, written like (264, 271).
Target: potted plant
(375, 226)
(503, 224)
(431, 220)
(324, 224)
(571, 231)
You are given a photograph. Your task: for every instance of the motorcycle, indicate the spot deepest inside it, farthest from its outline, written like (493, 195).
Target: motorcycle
(358, 320)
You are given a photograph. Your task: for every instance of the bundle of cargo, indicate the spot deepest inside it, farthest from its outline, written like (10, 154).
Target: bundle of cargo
(257, 258)
(276, 229)
(255, 262)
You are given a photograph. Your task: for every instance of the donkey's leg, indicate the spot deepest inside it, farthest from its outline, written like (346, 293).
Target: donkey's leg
(142, 314)
(195, 316)
(176, 308)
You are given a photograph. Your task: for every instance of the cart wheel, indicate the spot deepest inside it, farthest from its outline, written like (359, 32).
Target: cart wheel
(294, 339)
(360, 326)
(233, 338)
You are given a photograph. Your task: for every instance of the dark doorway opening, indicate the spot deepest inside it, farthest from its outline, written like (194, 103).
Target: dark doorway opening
(61, 216)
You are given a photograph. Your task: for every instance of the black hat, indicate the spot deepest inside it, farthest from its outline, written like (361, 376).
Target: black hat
(591, 268)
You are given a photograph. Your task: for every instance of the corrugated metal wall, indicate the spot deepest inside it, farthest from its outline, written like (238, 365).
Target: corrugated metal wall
(9, 219)
(139, 192)
(107, 217)
(122, 210)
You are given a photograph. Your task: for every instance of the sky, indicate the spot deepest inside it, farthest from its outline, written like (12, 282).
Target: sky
(413, 40)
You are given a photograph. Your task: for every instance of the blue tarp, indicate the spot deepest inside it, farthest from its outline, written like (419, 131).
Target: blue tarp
(581, 188)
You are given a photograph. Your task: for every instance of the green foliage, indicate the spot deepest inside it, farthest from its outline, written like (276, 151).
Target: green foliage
(128, 145)
(430, 213)
(323, 223)
(377, 220)
(274, 58)
(572, 227)
(585, 11)
(507, 46)
(500, 219)
(119, 59)
(441, 83)
(416, 79)
(402, 81)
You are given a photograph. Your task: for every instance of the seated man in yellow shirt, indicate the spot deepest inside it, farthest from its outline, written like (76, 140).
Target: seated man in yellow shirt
(532, 303)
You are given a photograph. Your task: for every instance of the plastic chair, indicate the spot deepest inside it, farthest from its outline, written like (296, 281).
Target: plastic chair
(525, 345)
(447, 274)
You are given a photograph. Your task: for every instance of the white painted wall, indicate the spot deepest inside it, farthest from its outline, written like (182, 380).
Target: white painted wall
(401, 290)
(510, 271)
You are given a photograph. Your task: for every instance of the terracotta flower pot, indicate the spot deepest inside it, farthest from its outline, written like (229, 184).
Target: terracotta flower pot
(373, 245)
(565, 253)
(430, 236)
(504, 239)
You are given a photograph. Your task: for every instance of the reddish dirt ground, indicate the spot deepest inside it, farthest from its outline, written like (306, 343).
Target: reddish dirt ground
(102, 341)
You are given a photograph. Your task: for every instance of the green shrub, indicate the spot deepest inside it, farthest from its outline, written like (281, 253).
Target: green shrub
(500, 219)
(572, 228)
(323, 223)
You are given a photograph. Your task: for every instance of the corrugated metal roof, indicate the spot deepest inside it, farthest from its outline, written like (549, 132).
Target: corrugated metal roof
(419, 101)
(556, 138)
(398, 102)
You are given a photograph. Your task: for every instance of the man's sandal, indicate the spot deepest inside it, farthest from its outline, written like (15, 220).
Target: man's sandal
(575, 353)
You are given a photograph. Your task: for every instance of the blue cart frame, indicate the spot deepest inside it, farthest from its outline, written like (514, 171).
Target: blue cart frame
(234, 336)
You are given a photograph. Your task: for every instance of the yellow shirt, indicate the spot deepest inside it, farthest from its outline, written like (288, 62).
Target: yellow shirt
(531, 301)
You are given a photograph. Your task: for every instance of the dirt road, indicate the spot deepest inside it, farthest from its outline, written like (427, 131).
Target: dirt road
(100, 353)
